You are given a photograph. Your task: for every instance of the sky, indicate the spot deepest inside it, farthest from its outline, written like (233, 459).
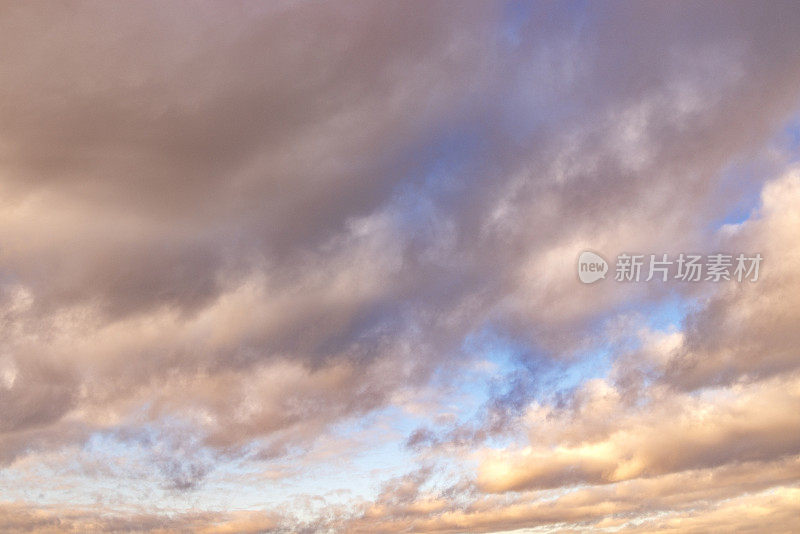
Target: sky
(311, 267)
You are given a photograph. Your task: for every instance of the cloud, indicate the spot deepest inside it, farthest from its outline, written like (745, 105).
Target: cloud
(746, 332)
(18, 517)
(603, 440)
(231, 232)
(692, 497)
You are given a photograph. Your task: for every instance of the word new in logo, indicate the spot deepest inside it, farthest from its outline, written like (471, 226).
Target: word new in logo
(591, 267)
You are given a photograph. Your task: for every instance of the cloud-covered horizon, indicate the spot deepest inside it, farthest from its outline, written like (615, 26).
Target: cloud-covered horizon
(310, 267)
